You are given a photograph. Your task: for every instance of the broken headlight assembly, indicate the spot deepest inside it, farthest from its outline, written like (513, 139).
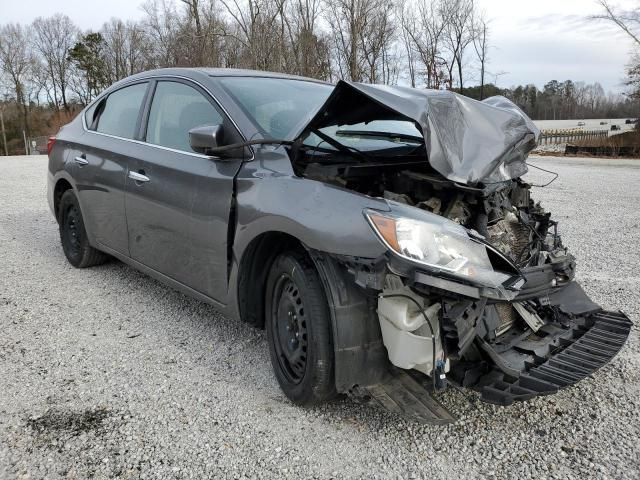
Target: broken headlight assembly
(441, 246)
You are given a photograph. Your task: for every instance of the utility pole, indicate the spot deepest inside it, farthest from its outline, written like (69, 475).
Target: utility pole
(4, 136)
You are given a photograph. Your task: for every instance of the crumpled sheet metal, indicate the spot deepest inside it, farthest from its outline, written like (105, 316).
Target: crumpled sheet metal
(467, 141)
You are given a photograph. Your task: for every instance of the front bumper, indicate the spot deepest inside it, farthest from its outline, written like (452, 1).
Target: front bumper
(591, 342)
(564, 338)
(558, 360)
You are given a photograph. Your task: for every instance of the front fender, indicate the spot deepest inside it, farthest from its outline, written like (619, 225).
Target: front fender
(330, 223)
(323, 217)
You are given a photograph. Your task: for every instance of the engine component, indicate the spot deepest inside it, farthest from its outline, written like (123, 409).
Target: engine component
(509, 236)
(529, 316)
(507, 316)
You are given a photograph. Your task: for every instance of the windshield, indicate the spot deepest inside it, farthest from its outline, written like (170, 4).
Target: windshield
(276, 105)
(279, 105)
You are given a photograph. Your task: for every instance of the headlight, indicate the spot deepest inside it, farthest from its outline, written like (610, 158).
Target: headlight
(439, 245)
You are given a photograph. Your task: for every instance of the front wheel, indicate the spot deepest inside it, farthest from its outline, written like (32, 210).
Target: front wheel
(299, 330)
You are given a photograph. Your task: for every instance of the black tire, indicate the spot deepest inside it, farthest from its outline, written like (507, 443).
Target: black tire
(299, 330)
(73, 235)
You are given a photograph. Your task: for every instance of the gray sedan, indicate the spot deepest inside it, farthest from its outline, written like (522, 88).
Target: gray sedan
(383, 236)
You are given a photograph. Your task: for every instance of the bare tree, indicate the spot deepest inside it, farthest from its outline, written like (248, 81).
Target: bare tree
(257, 26)
(346, 19)
(481, 46)
(459, 36)
(408, 25)
(40, 77)
(79, 87)
(213, 28)
(376, 41)
(53, 38)
(628, 21)
(16, 61)
(201, 30)
(161, 26)
(426, 25)
(309, 47)
(126, 49)
(193, 10)
(363, 37)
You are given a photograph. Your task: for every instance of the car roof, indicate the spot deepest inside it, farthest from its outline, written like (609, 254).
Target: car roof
(239, 72)
(221, 72)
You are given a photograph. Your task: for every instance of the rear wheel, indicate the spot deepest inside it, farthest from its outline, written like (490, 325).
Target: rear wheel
(73, 235)
(299, 330)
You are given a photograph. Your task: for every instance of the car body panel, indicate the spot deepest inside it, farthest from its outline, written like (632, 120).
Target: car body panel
(321, 216)
(176, 225)
(100, 185)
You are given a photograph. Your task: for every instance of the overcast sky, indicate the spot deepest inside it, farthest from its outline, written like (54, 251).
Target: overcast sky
(534, 42)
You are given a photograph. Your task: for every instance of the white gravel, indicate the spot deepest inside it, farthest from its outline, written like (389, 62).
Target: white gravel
(106, 373)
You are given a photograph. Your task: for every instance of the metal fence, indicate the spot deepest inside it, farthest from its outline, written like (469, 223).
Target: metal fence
(548, 137)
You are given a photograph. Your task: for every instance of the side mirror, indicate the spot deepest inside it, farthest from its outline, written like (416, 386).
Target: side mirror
(204, 138)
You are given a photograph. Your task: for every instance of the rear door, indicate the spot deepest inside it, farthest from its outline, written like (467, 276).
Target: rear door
(178, 202)
(102, 161)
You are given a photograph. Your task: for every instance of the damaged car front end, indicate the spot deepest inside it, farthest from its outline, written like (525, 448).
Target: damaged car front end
(475, 286)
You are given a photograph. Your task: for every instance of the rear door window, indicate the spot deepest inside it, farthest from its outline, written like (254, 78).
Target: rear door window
(89, 115)
(119, 115)
(177, 108)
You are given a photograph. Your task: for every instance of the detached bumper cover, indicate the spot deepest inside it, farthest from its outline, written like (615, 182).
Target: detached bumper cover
(591, 342)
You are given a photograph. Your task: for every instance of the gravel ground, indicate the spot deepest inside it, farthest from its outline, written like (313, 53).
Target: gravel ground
(106, 373)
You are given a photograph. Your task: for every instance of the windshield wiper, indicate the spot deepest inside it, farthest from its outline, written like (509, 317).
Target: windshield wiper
(380, 135)
(354, 152)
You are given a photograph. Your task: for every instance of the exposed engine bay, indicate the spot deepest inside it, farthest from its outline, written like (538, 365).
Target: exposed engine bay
(505, 213)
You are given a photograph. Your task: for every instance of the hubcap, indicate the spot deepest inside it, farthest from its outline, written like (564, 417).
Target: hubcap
(71, 232)
(290, 329)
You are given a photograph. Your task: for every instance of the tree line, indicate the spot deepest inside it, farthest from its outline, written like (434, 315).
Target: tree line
(571, 100)
(50, 68)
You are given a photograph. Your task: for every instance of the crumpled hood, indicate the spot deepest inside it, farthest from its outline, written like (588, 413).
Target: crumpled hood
(467, 141)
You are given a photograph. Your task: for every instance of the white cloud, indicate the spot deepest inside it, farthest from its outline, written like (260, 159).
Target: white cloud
(550, 39)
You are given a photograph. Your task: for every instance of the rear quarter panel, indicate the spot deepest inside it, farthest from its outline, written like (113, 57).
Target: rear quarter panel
(59, 167)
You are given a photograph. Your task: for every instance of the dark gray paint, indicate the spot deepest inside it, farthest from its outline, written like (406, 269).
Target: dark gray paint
(178, 220)
(175, 226)
(323, 217)
(101, 187)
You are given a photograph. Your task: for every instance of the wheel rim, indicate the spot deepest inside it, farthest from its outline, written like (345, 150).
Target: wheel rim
(290, 335)
(72, 236)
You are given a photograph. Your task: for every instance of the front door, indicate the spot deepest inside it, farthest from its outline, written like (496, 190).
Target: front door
(178, 202)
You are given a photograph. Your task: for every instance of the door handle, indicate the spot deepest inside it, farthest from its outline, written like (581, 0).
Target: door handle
(138, 176)
(81, 160)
